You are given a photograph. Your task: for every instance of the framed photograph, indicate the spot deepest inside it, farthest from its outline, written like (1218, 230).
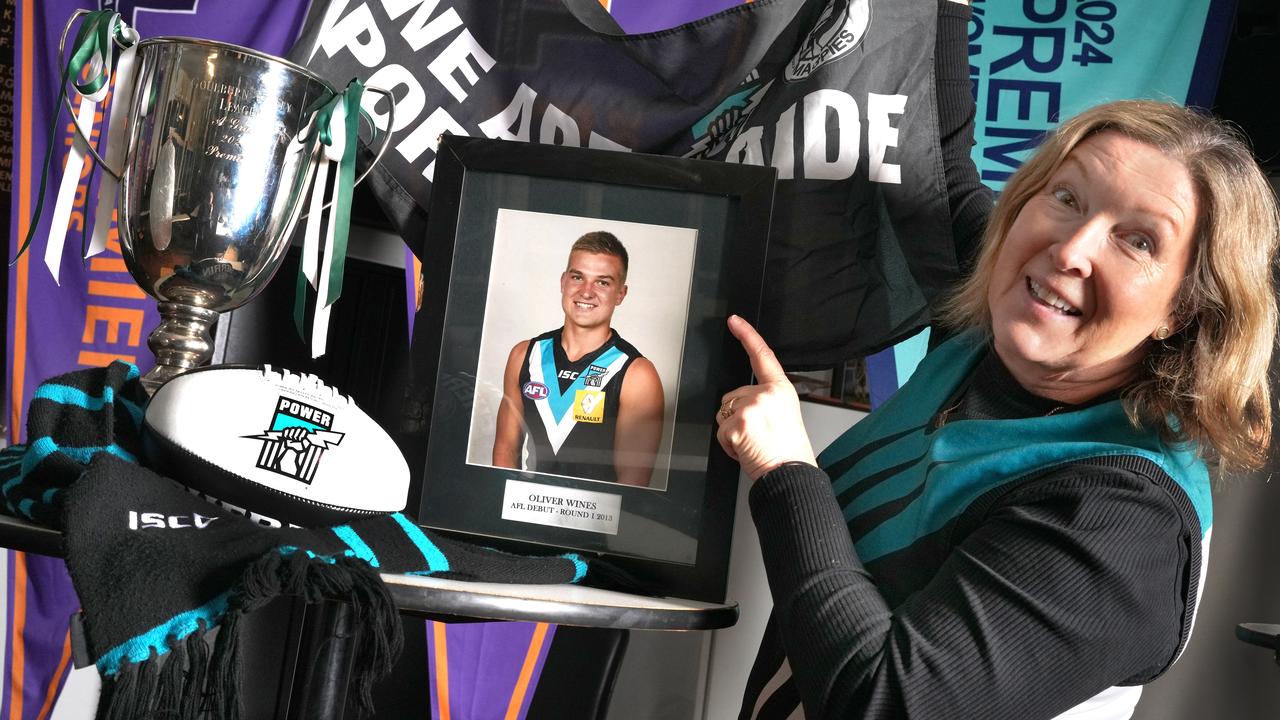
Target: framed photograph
(572, 350)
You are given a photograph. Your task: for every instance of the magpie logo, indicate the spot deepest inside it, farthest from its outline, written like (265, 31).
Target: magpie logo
(297, 439)
(840, 28)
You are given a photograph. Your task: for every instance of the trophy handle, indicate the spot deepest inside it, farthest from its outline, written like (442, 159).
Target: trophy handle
(386, 141)
(386, 136)
(62, 46)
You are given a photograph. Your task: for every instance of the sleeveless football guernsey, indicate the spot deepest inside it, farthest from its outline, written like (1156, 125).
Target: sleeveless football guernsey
(571, 408)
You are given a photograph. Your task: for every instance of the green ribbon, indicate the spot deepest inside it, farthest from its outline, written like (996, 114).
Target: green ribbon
(95, 39)
(300, 301)
(346, 185)
(341, 217)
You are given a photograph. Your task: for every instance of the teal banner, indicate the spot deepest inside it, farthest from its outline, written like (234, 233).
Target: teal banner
(1033, 62)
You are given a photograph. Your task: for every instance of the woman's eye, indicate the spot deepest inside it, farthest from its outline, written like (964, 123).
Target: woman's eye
(1140, 242)
(1064, 196)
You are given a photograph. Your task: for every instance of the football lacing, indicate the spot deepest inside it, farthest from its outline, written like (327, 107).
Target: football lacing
(314, 381)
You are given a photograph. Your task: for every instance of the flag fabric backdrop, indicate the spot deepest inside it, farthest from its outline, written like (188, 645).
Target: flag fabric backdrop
(8, 17)
(837, 95)
(642, 16)
(1033, 63)
(37, 648)
(97, 313)
(485, 670)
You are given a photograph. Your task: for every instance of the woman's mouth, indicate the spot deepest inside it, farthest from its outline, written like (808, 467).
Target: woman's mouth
(1050, 298)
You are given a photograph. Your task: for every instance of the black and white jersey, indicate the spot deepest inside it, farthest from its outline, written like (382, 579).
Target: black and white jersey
(571, 408)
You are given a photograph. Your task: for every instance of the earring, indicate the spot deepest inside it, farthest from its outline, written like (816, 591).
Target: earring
(1162, 333)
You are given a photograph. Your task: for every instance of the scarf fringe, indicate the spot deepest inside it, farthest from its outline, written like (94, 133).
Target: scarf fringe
(172, 677)
(190, 681)
(192, 698)
(133, 695)
(168, 686)
(223, 681)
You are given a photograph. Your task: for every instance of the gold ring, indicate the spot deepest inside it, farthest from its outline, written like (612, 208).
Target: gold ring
(726, 408)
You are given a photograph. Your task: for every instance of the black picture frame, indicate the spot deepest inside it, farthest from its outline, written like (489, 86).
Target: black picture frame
(673, 537)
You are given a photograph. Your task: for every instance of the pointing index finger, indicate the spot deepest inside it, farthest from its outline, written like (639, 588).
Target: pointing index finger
(764, 364)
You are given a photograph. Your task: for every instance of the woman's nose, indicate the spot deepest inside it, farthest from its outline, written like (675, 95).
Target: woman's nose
(1076, 252)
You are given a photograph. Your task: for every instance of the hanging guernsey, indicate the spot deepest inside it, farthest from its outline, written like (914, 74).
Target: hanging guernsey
(571, 407)
(838, 95)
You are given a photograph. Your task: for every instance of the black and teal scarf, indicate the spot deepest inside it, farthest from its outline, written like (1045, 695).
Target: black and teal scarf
(157, 567)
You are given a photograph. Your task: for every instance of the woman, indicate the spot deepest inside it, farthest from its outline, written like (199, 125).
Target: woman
(1020, 531)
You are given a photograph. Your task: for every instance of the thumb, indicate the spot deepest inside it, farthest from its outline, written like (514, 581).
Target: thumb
(764, 364)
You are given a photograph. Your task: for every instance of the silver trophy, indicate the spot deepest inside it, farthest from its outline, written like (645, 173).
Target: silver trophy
(221, 151)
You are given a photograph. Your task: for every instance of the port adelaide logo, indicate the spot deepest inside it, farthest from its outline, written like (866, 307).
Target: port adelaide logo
(594, 376)
(297, 439)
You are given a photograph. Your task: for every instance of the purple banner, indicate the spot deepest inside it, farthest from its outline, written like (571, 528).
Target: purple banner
(642, 16)
(37, 654)
(97, 313)
(485, 670)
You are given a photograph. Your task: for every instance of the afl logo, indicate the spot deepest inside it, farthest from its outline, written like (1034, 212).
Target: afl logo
(534, 390)
(839, 29)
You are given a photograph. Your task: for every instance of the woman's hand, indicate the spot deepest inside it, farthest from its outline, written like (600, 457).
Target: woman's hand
(760, 424)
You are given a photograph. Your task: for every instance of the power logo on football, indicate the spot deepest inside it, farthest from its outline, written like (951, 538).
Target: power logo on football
(297, 439)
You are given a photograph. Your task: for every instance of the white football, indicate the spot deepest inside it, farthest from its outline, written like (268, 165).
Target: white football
(278, 446)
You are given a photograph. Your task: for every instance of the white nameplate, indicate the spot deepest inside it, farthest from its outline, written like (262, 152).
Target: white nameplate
(561, 507)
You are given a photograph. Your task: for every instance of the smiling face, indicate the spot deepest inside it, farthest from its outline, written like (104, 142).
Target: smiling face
(590, 288)
(1091, 267)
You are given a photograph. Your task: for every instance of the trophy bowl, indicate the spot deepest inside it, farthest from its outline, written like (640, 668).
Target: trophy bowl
(219, 154)
(221, 148)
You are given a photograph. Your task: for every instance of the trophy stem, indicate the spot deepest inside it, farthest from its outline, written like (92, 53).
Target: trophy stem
(181, 342)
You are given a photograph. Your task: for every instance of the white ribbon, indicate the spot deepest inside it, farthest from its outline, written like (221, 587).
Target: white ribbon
(67, 190)
(75, 161)
(311, 232)
(117, 134)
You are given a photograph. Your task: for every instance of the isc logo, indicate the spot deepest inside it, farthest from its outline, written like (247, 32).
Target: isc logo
(534, 390)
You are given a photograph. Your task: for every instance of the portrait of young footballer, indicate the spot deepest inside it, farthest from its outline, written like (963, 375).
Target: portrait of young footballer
(582, 385)
(589, 402)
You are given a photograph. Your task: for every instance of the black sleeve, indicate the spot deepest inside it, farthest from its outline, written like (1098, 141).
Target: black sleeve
(970, 201)
(1068, 585)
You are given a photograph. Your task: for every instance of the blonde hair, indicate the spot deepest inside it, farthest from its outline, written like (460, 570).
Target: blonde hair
(600, 242)
(1207, 382)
